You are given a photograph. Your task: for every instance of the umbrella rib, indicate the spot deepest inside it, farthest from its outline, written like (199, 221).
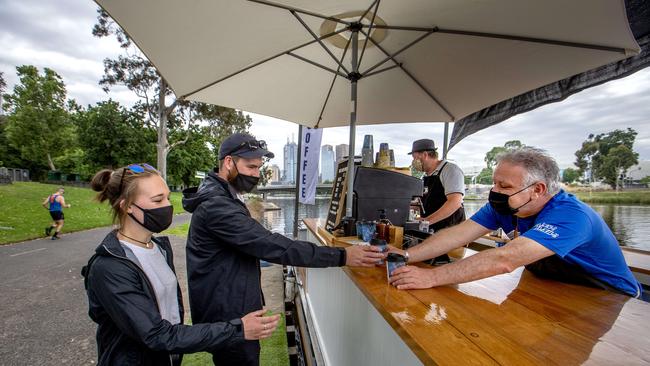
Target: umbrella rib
(415, 80)
(391, 57)
(372, 21)
(367, 10)
(261, 62)
(397, 27)
(507, 37)
(316, 64)
(382, 70)
(535, 40)
(285, 7)
(329, 92)
(320, 42)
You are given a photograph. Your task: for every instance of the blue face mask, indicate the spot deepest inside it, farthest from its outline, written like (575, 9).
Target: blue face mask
(499, 202)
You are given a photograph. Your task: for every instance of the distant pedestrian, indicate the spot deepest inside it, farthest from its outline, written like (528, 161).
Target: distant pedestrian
(55, 203)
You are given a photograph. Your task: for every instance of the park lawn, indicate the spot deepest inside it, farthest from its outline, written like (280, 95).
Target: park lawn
(22, 217)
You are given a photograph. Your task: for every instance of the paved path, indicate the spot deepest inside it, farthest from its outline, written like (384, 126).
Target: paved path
(43, 305)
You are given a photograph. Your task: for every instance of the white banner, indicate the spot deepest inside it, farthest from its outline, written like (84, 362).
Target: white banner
(309, 159)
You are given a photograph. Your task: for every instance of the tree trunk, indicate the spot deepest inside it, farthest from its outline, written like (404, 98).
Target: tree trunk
(50, 162)
(162, 145)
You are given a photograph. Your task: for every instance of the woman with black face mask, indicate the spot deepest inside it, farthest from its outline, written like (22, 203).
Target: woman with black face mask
(133, 292)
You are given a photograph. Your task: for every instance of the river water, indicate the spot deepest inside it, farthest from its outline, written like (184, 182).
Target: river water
(630, 224)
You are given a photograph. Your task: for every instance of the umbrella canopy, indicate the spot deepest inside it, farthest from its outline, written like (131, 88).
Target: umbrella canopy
(322, 63)
(427, 61)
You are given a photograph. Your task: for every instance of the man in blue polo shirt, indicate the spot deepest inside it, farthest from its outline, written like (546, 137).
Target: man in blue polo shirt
(556, 235)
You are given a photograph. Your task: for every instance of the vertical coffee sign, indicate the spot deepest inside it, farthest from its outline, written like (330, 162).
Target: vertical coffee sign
(309, 159)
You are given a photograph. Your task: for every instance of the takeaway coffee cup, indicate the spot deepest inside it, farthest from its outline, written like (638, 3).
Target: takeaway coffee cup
(365, 230)
(393, 262)
(382, 244)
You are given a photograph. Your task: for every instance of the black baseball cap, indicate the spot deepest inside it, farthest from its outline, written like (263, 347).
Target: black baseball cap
(423, 145)
(245, 146)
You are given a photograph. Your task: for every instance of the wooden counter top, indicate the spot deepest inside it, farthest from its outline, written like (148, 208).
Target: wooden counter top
(512, 319)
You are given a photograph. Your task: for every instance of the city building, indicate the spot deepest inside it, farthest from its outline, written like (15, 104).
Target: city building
(341, 151)
(290, 161)
(327, 163)
(275, 173)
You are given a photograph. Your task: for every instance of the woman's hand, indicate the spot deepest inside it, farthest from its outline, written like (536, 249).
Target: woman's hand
(258, 326)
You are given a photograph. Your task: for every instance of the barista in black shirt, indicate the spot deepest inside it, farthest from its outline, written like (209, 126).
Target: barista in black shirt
(444, 186)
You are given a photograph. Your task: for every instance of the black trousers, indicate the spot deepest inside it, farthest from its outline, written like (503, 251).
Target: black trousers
(246, 353)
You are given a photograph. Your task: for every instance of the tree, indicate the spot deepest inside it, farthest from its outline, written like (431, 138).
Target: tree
(485, 176)
(112, 136)
(165, 113)
(491, 156)
(585, 156)
(194, 155)
(3, 86)
(615, 164)
(38, 124)
(570, 175)
(608, 156)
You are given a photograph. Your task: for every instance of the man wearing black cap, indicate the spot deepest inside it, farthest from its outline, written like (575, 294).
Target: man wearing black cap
(444, 186)
(225, 244)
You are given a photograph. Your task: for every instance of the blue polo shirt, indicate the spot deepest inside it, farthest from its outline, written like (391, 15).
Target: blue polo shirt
(576, 233)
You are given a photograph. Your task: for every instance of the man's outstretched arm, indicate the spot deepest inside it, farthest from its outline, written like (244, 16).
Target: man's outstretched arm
(491, 262)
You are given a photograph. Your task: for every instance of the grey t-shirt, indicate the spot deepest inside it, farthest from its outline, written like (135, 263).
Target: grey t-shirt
(451, 177)
(162, 278)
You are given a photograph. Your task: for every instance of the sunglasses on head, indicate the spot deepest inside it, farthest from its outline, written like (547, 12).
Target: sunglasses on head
(137, 169)
(251, 145)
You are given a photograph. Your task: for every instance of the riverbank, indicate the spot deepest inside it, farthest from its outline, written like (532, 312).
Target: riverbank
(631, 197)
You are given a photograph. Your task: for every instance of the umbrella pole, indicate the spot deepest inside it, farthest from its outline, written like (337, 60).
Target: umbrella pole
(296, 210)
(445, 146)
(353, 119)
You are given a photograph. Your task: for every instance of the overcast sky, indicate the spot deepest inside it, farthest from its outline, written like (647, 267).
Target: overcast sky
(57, 34)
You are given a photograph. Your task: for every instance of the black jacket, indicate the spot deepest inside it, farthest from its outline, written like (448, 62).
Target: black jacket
(224, 246)
(130, 329)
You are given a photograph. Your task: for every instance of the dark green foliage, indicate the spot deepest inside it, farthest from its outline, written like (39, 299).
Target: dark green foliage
(607, 156)
(111, 136)
(570, 175)
(38, 122)
(191, 156)
(491, 156)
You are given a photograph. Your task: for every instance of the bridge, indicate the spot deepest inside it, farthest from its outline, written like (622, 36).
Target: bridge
(290, 189)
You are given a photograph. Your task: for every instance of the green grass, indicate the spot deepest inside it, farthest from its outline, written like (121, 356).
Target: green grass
(636, 197)
(178, 230)
(273, 351)
(24, 218)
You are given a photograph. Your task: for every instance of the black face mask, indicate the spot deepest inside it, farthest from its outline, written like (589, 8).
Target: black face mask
(499, 202)
(155, 219)
(244, 183)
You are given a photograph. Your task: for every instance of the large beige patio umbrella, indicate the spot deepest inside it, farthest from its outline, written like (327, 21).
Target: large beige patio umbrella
(312, 62)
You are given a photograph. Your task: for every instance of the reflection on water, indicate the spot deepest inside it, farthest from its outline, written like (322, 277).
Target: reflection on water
(630, 224)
